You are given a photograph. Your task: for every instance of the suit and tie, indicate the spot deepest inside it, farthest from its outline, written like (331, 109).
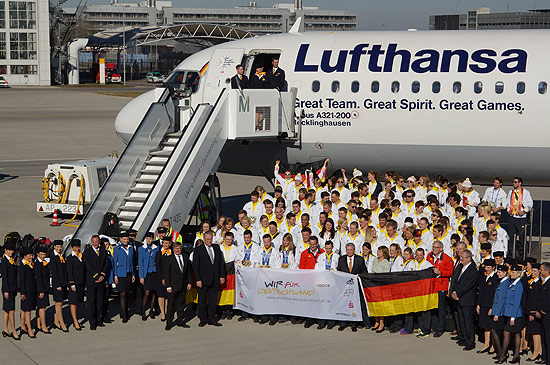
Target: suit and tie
(543, 308)
(97, 264)
(177, 274)
(354, 265)
(276, 79)
(241, 81)
(208, 268)
(465, 287)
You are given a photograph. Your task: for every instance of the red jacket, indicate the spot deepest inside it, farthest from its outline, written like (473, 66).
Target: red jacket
(445, 265)
(308, 260)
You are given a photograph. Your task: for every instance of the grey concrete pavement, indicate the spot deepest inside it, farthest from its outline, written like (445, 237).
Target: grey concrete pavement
(140, 342)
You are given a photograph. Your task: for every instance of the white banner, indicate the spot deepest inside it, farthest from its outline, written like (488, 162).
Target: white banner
(304, 293)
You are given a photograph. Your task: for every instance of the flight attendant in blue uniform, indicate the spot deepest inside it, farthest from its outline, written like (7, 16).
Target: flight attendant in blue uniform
(123, 264)
(497, 322)
(8, 270)
(511, 309)
(148, 274)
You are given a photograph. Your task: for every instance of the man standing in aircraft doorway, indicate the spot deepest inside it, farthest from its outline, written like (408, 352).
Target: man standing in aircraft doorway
(275, 76)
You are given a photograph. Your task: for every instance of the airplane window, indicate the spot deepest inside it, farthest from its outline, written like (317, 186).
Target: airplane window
(457, 87)
(436, 87)
(335, 86)
(520, 87)
(478, 87)
(375, 86)
(543, 87)
(315, 86)
(355, 86)
(499, 87)
(395, 87)
(415, 87)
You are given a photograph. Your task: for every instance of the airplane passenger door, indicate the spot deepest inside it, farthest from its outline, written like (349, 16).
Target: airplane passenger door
(220, 70)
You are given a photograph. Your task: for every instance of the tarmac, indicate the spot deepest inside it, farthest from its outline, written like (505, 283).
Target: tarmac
(54, 124)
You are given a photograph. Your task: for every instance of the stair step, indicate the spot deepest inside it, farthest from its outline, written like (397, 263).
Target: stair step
(170, 143)
(155, 172)
(174, 135)
(167, 148)
(145, 181)
(156, 162)
(127, 215)
(161, 153)
(124, 227)
(138, 199)
(131, 208)
(140, 190)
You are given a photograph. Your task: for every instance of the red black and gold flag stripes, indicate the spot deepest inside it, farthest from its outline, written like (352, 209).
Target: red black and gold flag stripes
(391, 294)
(226, 292)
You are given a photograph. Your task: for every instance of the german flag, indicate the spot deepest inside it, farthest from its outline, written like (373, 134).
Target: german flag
(226, 292)
(391, 294)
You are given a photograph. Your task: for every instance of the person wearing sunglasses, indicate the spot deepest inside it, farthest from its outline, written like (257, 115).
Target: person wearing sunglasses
(519, 204)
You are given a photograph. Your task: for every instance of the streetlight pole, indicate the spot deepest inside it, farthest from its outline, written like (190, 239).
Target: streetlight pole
(124, 43)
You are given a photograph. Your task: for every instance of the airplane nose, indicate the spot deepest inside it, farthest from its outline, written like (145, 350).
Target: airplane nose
(129, 118)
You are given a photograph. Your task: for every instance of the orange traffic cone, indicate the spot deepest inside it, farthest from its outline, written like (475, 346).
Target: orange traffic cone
(54, 220)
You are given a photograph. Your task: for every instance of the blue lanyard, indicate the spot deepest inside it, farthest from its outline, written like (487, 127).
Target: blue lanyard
(247, 251)
(266, 257)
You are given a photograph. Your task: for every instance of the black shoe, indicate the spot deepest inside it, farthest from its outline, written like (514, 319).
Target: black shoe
(183, 325)
(515, 360)
(16, 338)
(263, 321)
(272, 322)
(93, 328)
(374, 329)
(293, 321)
(229, 317)
(6, 334)
(461, 343)
(438, 334)
(524, 352)
(483, 351)
(242, 319)
(124, 320)
(393, 330)
(100, 324)
(341, 328)
(223, 316)
(381, 330)
(168, 327)
(308, 324)
(353, 328)
(455, 338)
(202, 324)
(330, 326)
(495, 357)
(163, 320)
(501, 361)
(143, 317)
(107, 320)
(321, 326)
(151, 314)
(78, 329)
(536, 362)
(215, 324)
(469, 347)
(491, 352)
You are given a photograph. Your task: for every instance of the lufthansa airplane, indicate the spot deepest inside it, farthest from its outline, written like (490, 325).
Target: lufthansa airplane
(458, 103)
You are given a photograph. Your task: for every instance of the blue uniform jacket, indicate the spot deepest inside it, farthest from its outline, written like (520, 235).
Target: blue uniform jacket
(511, 305)
(123, 263)
(146, 259)
(500, 294)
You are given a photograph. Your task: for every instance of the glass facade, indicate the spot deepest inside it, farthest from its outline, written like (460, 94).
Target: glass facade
(22, 15)
(2, 46)
(2, 14)
(22, 46)
(24, 69)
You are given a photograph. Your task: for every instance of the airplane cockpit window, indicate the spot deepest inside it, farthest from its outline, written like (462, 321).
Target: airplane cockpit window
(457, 87)
(186, 80)
(436, 87)
(478, 87)
(499, 87)
(315, 86)
(355, 86)
(375, 86)
(395, 87)
(415, 87)
(335, 86)
(543, 87)
(520, 87)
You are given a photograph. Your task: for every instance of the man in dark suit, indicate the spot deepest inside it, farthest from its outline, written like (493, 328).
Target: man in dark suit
(209, 271)
(239, 81)
(463, 290)
(96, 261)
(258, 81)
(177, 275)
(543, 311)
(353, 264)
(275, 76)
(453, 305)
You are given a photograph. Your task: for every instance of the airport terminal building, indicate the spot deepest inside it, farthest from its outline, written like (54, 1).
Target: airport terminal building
(25, 42)
(482, 18)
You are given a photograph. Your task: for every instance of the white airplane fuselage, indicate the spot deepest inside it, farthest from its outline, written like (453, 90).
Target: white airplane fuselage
(497, 130)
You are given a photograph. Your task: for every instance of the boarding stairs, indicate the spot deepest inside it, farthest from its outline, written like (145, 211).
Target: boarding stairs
(173, 152)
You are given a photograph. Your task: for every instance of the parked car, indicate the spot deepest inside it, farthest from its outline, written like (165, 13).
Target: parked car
(4, 82)
(154, 77)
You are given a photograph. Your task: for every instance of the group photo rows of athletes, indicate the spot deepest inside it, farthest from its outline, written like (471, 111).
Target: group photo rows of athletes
(459, 273)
